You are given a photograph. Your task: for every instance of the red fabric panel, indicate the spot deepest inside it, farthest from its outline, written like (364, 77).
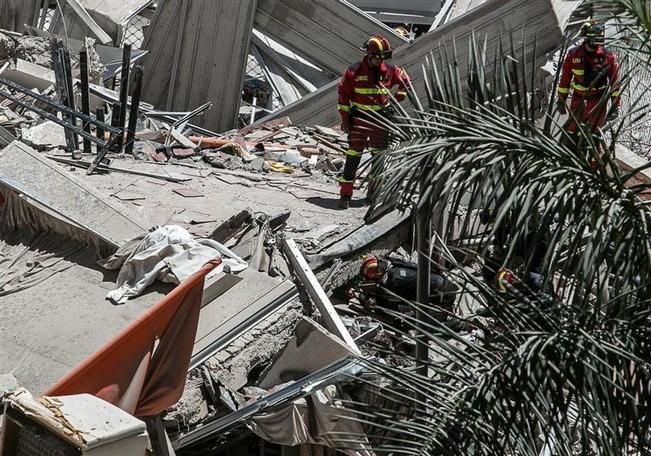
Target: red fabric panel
(124, 371)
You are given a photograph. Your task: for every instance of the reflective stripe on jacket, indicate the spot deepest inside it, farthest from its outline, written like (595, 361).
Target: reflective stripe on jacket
(589, 74)
(368, 89)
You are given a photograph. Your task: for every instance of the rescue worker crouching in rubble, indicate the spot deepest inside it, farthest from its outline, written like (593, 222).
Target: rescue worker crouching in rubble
(591, 72)
(365, 87)
(400, 278)
(531, 250)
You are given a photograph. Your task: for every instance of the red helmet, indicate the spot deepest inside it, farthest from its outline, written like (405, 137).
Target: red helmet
(378, 45)
(503, 280)
(370, 268)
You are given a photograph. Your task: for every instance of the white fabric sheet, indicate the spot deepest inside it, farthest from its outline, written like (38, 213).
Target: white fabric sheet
(169, 254)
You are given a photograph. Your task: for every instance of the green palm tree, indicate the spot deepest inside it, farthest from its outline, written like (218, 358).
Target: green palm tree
(564, 370)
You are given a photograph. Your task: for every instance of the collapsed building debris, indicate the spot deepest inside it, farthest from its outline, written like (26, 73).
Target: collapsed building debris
(270, 344)
(486, 19)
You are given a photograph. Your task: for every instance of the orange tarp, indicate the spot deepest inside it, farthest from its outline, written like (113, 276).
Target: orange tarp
(143, 369)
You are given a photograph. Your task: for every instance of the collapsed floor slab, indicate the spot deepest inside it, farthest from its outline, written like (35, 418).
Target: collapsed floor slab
(45, 183)
(545, 19)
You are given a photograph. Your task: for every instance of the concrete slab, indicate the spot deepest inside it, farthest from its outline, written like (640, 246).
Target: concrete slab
(311, 349)
(237, 304)
(110, 15)
(544, 18)
(45, 134)
(49, 184)
(50, 327)
(316, 206)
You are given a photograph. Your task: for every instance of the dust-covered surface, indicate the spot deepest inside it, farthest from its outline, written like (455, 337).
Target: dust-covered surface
(52, 325)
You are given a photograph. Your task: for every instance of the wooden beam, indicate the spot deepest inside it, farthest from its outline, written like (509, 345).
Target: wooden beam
(329, 314)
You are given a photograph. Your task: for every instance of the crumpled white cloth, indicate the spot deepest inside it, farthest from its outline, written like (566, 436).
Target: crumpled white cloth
(169, 254)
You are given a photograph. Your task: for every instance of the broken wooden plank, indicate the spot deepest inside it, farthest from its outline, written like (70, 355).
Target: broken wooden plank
(182, 139)
(317, 294)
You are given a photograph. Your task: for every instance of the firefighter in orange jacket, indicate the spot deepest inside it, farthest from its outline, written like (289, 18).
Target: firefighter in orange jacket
(592, 73)
(365, 87)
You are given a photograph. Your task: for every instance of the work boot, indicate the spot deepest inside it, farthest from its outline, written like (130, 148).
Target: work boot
(344, 203)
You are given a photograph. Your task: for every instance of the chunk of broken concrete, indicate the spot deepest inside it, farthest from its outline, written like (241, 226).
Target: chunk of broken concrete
(48, 135)
(259, 164)
(222, 160)
(311, 349)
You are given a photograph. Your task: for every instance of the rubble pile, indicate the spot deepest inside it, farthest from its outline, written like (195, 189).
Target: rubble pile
(259, 332)
(276, 146)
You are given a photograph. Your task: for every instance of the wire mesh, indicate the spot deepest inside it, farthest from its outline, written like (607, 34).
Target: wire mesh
(133, 32)
(636, 98)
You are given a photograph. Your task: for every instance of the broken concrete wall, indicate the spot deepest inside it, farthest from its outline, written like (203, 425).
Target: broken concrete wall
(198, 52)
(544, 19)
(14, 14)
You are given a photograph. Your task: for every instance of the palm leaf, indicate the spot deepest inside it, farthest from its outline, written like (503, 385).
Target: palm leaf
(562, 375)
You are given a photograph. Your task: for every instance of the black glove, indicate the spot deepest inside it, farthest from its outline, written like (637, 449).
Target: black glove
(613, 115)
(388, 112)
(561, 107)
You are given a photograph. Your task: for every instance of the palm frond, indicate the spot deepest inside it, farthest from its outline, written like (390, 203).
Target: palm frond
(566, 372)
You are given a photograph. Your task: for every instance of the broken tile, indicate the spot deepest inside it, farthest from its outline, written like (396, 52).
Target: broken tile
(125, 195)
(182, 153)
(197, 218)
(187, 192)
(156, 181)
(328, 131)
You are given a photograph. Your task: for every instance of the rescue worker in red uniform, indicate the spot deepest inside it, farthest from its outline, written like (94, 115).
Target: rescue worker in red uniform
(592, 73)
(364, 87)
